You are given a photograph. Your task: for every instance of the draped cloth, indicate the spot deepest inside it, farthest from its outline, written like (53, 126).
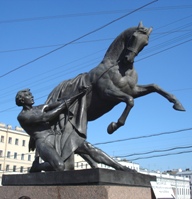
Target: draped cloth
(71, 126)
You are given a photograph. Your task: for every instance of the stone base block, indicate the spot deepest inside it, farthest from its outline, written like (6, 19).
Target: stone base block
(80, 184)
(79, 177)
(76, 192)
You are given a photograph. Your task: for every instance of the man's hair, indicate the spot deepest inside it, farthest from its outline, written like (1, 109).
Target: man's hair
(19, 96)
(24, 197)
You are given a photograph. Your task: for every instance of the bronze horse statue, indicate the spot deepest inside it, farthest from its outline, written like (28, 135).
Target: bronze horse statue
(113, 81)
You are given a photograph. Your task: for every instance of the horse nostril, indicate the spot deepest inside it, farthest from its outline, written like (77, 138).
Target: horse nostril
(129, 58)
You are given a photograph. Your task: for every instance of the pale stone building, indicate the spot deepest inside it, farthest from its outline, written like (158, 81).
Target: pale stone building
(180, 185)
(188, 174)
(14, 155)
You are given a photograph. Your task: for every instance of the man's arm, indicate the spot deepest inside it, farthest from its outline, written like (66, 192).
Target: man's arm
(54, 109)
(47, 112)
(48, 107)
(37, 115)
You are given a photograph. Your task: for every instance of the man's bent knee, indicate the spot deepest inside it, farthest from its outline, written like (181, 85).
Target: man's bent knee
(59, 166)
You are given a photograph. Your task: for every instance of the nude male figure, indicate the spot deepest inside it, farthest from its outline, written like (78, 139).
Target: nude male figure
(35, 120)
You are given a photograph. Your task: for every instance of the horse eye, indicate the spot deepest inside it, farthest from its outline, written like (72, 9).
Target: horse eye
(134, 36)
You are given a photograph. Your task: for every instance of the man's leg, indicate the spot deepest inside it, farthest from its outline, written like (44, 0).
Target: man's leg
(48, 153)
(38, 167)
(89, 160)
(100, 157)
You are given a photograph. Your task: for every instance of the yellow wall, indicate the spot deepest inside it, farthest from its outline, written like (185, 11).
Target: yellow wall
(18, 145)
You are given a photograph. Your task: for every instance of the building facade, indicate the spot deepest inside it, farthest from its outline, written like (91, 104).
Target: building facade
(187, 174)
(180, 185)
(14, 155)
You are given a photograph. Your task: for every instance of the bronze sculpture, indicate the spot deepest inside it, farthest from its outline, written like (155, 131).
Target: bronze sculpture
(35, 120)
(113, 81)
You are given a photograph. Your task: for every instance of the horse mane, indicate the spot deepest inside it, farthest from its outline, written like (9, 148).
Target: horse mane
(117, 47)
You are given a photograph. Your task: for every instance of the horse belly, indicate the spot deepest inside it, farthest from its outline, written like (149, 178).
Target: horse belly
(98, 107)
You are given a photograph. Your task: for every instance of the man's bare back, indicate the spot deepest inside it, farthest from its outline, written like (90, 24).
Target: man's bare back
(28, 120)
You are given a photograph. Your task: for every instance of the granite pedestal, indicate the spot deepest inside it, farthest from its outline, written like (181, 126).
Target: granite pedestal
(81, 184)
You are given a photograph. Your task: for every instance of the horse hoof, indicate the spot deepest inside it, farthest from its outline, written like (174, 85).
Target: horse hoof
(112, 127)
(178, 107)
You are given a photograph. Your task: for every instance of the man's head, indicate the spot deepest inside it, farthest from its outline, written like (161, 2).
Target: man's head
(24, 197)
(24, 97)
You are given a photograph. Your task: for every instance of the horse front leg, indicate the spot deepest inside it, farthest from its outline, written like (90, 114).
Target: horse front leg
(119, 96)
(141, 90)
(121, 121)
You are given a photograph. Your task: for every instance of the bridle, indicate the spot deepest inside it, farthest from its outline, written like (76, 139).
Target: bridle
(131, 49)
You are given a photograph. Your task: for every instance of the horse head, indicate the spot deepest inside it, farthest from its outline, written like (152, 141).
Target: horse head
(137, 41)
(128, 44)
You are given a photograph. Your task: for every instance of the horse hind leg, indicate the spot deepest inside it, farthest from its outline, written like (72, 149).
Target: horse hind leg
(178, 106)
(147, 89)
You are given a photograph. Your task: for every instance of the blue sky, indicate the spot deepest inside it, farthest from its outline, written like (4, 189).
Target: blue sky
(32, 29)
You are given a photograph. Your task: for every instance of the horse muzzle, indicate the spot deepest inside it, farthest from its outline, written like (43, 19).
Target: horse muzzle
(130, 57)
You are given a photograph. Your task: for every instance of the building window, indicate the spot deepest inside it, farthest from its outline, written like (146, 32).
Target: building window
(81, 165)
(0, 166)
(8, 154)
(21, 169)
(23, 143)
(14, 168)
(7, 167)
(16, 141)
(10, 140)
(29, 157)
(15, 155)
(22, 156)
(2, 138)
(1, 153)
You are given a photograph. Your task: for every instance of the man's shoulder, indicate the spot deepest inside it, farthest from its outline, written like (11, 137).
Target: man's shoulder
(38, 106)
(21, 118)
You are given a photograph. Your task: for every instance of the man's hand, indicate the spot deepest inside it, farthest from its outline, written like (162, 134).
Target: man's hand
(45, 108)
(83, 88)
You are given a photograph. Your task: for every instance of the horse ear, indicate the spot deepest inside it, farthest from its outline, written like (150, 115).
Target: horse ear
(140, 25)
(149, 31)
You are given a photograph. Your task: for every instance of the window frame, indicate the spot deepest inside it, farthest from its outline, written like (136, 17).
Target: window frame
(8, 154)
(15, 155)
(10, 140)
(16, 141)
(2, 139)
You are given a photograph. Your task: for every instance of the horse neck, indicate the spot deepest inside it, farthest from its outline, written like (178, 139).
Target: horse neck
(114, 50)
(118, 46)
(123, 67)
